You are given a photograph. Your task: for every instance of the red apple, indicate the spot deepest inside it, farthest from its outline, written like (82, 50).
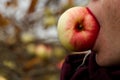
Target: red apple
(43, 51)
(78, 29)
(60, 64)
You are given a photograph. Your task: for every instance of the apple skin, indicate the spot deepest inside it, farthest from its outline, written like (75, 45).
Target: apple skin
(78, 29)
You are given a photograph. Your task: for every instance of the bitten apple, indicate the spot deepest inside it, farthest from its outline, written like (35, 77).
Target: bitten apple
(78, 29)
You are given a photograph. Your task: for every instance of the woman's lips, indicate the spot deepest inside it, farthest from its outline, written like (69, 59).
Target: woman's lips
(96, 43)
(93, 16)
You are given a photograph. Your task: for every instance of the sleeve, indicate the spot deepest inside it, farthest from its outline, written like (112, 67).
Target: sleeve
(71, 63)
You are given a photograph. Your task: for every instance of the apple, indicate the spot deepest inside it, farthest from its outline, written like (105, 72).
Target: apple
(43, 51)
(78, 29)
(60, 64)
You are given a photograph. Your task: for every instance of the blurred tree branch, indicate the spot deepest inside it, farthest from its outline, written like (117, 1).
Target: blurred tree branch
(32, 6)
(12, 3)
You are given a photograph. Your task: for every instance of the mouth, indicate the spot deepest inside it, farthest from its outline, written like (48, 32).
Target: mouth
(95, 47)
(93, 16)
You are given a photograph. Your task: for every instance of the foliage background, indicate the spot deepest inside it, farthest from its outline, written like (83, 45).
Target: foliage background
(29, 45)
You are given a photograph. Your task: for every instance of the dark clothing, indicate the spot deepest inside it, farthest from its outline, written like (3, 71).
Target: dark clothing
(72, 70)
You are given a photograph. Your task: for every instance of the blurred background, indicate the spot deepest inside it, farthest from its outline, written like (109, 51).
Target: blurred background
(29, 45)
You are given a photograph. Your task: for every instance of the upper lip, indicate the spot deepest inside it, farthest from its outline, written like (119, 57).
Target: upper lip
(93, 15)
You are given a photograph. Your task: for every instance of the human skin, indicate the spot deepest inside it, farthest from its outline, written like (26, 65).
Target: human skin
(107, 46)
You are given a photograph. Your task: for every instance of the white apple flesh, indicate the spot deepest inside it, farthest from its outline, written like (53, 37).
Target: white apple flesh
(78, 29)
